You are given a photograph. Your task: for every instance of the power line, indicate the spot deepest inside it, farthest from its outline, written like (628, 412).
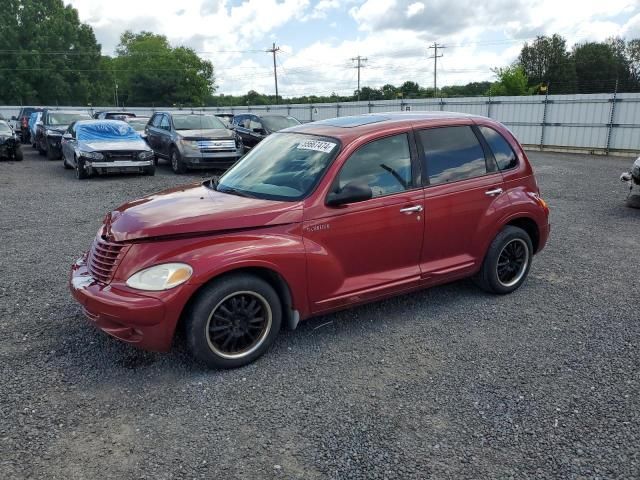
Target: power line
(435, 57)
(359, 65)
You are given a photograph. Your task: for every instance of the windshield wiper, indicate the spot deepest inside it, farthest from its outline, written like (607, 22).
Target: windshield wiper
(235, 191)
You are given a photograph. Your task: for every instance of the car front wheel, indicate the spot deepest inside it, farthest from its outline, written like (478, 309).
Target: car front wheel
(81, 171)
(233, 321)
(507, 262)
(177, 165)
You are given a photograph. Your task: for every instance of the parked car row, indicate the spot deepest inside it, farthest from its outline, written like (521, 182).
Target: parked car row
(188, 140)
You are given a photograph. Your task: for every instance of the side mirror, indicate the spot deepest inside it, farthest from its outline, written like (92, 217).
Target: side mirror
(13, 117)
(67, 136)
(350, 193)
(257, 130)
(39, 122)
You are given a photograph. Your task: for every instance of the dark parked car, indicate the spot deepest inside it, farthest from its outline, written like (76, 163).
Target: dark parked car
(105, 146)
(21, 123)
(253, 128)
(321, 217)
(9, 143)
(49, 132)
(193, 140)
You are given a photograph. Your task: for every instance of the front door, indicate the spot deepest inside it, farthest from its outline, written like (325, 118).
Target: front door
(363, 250)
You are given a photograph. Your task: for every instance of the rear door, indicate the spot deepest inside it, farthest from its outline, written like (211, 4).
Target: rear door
(464, 189)
(363, 250)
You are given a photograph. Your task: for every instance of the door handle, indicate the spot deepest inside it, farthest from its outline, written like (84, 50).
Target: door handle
(410, 210)
(494, 192)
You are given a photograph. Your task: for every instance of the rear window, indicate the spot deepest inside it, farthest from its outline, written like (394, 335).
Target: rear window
(452, 154)
(502, 151)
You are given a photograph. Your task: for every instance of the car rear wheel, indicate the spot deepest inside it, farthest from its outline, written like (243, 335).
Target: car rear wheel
(18, 155)
(177, 165)
(507, 262)
(51, 154)
(233, 321)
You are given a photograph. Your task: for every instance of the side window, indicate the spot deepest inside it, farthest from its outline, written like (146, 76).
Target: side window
(254, 122)
(505, 156)
(384, 165)
(164, 122)
(155, 120)
(452, 154)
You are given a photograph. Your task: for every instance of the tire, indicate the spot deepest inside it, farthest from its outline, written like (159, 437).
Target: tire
(41, 151)
(213, 309)
(18, 155)
(65, 164)
(151, 171)
(81, 173)
(517, 248)
(177, 165)
(51, 154)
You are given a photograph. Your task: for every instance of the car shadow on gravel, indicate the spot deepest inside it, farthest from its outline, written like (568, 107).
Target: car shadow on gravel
(108, 357)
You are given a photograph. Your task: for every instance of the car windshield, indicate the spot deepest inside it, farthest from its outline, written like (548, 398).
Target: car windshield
(275, 124)
(138, 124)
(59, 118)
(284, 166)
(196, 122)
(5, 128)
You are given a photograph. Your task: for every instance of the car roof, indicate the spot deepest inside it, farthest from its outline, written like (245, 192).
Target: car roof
(182, 112)
(351, 127)
(53, 110)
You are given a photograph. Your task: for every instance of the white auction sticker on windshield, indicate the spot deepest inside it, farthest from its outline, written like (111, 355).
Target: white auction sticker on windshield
(316, 145)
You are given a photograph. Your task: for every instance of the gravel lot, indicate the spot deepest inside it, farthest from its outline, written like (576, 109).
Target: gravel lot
(446, 383)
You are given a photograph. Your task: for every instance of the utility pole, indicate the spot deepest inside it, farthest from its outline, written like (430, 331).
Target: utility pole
(359, 65)
(435, 57)
(273, 50)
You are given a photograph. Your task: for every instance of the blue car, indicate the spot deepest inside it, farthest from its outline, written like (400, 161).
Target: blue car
(105, 146)
(34, 118)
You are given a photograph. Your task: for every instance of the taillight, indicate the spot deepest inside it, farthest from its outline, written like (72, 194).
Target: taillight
(25, 123)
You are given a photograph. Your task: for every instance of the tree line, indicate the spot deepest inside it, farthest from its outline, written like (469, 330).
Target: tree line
(48, 57)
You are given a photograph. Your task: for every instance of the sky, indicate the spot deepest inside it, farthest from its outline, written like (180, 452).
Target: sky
(319, 38)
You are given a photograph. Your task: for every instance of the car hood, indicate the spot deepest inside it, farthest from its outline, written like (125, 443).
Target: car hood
(112, 145)
(217, 133)
(192, 210)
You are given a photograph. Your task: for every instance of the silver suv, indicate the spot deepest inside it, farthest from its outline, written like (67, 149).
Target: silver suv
(193, 140)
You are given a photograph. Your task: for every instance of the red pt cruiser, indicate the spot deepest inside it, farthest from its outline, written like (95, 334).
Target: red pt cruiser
(316, 218)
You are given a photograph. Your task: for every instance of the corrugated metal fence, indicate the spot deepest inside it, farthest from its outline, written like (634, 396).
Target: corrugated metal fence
(596, 123)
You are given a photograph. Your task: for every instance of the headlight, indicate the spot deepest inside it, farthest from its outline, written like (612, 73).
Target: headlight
(53, 133)
(238, 141)
(190, 143)
(160, 277)
(146, 155)
(92, 155)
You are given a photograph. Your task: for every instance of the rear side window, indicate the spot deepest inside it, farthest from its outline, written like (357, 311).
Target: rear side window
(452, 154)
(384, 165)
(502, 151)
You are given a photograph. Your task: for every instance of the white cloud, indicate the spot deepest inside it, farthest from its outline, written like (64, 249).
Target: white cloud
(393, 34)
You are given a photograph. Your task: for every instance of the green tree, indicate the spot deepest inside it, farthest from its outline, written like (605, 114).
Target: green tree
(48, 56)
(511, 81)
(598, 66)
(151, 72)
(548, 61)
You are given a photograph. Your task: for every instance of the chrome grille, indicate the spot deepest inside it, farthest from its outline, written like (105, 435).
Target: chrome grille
(103, 259)
(121, 155)
(216, 145)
